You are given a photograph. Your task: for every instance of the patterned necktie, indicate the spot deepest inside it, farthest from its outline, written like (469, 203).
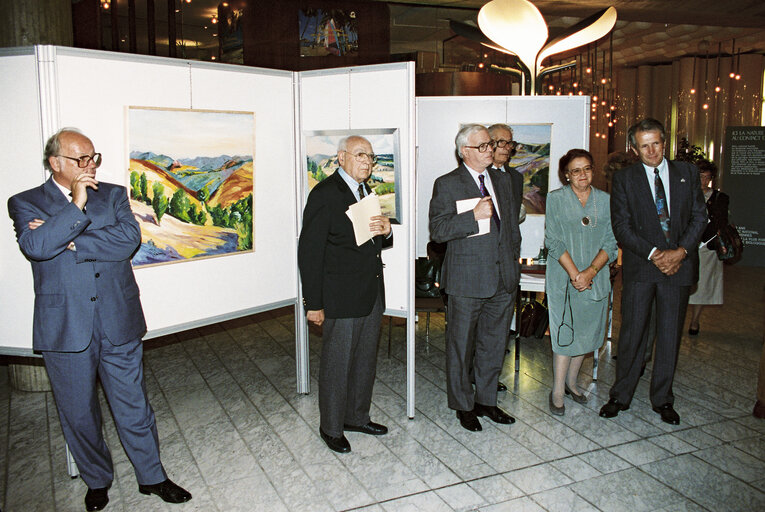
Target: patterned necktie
(662, 208)
(361, 191)
(485, 193)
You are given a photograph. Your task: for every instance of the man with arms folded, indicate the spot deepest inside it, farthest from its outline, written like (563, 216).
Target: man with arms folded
(79, 235)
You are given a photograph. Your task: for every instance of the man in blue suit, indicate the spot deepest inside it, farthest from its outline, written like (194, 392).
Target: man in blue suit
(658, 216)
(79, 236)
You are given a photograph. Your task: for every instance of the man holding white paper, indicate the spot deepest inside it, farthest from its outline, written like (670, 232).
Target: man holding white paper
(480, 273)
(343, 290)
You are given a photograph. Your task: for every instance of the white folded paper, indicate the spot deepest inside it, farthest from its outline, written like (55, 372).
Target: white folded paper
(361, 214)
(464, 205)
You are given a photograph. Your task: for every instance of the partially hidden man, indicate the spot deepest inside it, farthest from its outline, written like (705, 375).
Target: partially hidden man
(79, 235)
(344, 292)
(480, 274)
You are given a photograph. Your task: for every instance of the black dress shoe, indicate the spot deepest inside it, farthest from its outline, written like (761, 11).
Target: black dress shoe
(668, 414)
(371, 428)
(336, 444)
(612, 408)
(96, 499)
(167, 490)
(469, 421)
(501, 387)
(494, 413)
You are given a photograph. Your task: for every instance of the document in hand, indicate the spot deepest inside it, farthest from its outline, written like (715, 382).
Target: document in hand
(361, 214)
(464, 205)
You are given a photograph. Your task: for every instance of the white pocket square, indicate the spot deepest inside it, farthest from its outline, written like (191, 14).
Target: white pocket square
(682, 180)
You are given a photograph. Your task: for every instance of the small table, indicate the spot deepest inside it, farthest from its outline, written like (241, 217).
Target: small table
(530, 281)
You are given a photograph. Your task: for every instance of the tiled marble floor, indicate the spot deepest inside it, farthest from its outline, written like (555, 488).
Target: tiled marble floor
(235, 433)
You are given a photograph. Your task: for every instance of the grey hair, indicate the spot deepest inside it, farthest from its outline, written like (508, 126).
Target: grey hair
(461, 140)
(342, 145)
(53, 145)
(648, 124)
(499, 126)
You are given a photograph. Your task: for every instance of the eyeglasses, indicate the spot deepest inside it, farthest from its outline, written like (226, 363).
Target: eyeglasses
(85, 160)
(361, 157)
(501, 143)
(483, 147)
(579, 171)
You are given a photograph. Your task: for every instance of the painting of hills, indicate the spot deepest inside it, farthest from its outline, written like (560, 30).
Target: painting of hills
(532, 160)
(191, 183)
(321, 162)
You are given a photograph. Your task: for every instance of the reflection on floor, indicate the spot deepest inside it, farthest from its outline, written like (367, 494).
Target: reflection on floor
(235, 433)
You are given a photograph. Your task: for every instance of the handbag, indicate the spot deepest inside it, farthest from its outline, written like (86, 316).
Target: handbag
(534, 319)
(427, 278)
(729, 246)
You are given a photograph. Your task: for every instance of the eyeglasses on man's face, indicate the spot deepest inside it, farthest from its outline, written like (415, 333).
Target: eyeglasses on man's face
(501, 143)
(580, 170)
(483, 147)
(84, 160)
(362, 157)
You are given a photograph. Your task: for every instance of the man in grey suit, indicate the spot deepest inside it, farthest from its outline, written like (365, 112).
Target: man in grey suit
(504, 149)
(79, 236)
(343, 290)
(658, 216)
(480, 274)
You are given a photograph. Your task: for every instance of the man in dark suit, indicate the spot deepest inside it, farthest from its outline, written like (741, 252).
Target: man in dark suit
(343, 290)
(480, 274)
(79, 236)
(658, 215)
(504, 149)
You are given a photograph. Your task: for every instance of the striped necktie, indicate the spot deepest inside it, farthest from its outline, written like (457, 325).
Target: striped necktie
(662, 208)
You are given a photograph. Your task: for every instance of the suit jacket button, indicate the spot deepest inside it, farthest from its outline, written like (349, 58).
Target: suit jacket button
(92, 299)
(98, 275)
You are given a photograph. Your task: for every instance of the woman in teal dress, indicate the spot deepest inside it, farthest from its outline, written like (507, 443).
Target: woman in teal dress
(580, 244)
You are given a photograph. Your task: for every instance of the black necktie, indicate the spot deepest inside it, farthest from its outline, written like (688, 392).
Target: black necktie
(485, 193)
(361, 191)
(662, 208)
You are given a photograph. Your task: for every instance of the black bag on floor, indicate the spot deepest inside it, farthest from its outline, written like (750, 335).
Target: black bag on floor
(534, 319)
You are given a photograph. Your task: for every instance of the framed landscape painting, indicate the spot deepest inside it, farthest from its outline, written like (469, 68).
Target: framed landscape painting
(321, 162)
(532, 160)
(191, 175)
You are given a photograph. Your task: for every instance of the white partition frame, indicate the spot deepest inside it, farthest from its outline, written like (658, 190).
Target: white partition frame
(46, 90)
(439, 119)
(360, 98)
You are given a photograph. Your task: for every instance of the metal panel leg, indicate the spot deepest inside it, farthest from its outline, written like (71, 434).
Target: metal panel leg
(390, 329)
(595, 365)
(427, 331)
(71, 466)
(518, 329)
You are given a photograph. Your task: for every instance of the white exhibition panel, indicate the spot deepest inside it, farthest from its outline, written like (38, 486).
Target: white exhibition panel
(213, 288)
(439, 120)
(91, 90)
(21, 167)
(369, 97)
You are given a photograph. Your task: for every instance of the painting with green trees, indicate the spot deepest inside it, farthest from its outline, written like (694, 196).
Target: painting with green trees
(321, 162)
(191, 183)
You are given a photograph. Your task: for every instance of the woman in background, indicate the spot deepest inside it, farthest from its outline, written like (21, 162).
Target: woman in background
(709, 290)
(580, 243)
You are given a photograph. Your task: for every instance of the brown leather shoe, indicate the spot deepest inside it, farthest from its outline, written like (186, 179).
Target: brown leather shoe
(759, 410)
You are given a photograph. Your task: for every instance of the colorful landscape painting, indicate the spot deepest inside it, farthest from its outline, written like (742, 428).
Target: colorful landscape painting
(191, 183)
(321, 162)
(328, 32)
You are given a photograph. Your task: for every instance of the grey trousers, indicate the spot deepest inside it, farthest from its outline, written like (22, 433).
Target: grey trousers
(347, 370)
(476, 326)
(671, 304)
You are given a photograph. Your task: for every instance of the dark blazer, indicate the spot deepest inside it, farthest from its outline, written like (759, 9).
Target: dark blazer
(68, 283)
(636, 223)
(517, 179)
(338, 276)
(717, 211)
(469, 270)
